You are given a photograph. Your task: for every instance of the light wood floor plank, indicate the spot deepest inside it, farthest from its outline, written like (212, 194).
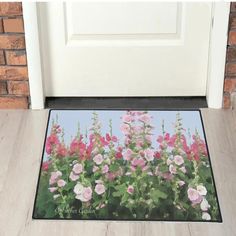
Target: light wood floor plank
(21, 142)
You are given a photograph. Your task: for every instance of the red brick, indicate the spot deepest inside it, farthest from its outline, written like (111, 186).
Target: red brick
(232, 22)
(230, 69)
(231, 54)
(233, 7)
(226, 101)
(229, 85)
(232, 38)
(12, 41)
(13, 25)
(18, 87)
(10, 8)
(13, 73)
(3, 88)
(13, 103)
(1, 26)
(2, 59)
(16, 57)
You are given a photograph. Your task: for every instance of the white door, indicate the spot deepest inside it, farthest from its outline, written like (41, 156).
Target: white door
(97, 48)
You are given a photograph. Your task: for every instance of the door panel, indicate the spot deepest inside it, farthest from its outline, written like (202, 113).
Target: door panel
(124, 48)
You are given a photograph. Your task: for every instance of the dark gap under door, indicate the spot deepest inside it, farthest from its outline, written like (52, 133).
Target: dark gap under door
(125, 102)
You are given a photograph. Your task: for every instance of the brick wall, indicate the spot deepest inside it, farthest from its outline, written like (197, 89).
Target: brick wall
(230, 68)
(14, 86)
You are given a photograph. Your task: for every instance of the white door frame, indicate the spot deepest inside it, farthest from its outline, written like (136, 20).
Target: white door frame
(216, 62)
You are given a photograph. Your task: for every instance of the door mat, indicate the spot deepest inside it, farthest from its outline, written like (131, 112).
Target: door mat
(126, 165)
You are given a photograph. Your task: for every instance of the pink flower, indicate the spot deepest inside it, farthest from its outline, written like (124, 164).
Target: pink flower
(100, 189)
(127, 118)
(178, 160)
(52, 189)
(61, 183)
(109, 138)
(98, 159)
(51, 140)
(73, 177)
(130, 189)
(78, 189)
(138, 162)
(118, 155)
(86, 195)
(193, 194)
(125, 129)
(149, 154)
(45, 165)
(145, 118)
(148, 138)
(169, 161)
(54, 177)
(105, 169)
(95, 168)
(172, 169)
(127, 154)
(61, 150)
(78, 168)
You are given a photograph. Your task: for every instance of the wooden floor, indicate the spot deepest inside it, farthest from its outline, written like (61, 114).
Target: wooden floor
(21, 143)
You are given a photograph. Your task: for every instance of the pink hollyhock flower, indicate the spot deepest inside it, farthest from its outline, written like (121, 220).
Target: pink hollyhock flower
(206, 216)
(110, 176)
(172, 169)
(125, 129)
(109, 138)
(167, 175)
(86, 195)
(149, 154)
(50, 141)
(193, 194)
(145, 168)
(52, 189)
(103, 141)
(183, 169)
(54, 177)
(160, 139)
(139, 143)
(100, 189)
(178, 160)
(127, 154)
(148, 138)
(172, 140)
(157, 155)
(145, 118)
(130, 189)
(105, 169)
(127, 141)
(201, 190)
(127, 118)
(134, 162)
(61, 150)
(132, 168)
(118, 155)
(98, 159)
(73, 177)
(95, 168)
(45, 165)
(199, 200)
(78, 168)
(61, 183)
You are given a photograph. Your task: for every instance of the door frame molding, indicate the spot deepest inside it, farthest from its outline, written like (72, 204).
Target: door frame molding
(216, 61)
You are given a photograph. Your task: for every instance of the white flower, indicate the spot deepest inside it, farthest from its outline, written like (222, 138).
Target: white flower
(206, 216)
(202, 190)
(204, 205)
(78, 189)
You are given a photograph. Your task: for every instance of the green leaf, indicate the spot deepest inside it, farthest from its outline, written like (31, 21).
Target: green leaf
(114, 167)
(156, 194)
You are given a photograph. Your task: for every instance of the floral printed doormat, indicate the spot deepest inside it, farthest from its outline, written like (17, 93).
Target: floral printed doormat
(126, 165)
